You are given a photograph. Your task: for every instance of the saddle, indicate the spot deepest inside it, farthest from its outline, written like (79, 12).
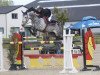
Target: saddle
(52, 22)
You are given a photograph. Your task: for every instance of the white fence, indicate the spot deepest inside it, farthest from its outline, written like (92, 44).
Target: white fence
(1, 53)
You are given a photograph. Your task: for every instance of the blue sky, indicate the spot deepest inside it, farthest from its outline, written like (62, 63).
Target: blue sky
(22, 2)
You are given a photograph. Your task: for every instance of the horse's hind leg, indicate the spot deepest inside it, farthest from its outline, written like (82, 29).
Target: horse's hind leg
(58, 47)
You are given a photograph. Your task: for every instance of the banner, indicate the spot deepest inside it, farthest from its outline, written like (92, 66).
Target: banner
(89, 46)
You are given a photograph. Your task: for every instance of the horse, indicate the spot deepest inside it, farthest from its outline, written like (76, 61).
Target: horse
(39, 24)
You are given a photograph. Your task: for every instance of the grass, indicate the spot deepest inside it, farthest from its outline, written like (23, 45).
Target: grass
(78, 39)
(97, 38)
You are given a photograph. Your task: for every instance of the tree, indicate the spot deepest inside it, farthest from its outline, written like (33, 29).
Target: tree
(61, 15)
(6, 2)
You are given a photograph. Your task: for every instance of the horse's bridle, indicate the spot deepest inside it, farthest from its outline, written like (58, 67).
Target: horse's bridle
(26, 21)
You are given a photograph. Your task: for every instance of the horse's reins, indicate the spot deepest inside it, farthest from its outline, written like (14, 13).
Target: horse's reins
(27, 21)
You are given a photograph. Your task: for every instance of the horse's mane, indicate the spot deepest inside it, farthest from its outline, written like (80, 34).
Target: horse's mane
(31, 9)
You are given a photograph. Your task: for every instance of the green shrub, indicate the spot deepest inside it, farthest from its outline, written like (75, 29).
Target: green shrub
(12, 51)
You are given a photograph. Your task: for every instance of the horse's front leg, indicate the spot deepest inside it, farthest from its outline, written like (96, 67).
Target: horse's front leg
(46, 37)
(32, 31)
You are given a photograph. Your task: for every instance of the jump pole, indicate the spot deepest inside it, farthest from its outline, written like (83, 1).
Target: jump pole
(68, 61)
(22, 33)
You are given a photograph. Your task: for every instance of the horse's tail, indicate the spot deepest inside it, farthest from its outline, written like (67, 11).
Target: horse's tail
(59, 31)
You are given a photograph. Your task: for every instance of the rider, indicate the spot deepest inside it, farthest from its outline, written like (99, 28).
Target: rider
(43, 13)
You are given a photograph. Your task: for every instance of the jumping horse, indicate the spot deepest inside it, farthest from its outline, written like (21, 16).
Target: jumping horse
(38, 24)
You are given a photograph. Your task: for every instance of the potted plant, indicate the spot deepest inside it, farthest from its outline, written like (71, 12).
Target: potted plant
(12, 52)
(12, 56)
